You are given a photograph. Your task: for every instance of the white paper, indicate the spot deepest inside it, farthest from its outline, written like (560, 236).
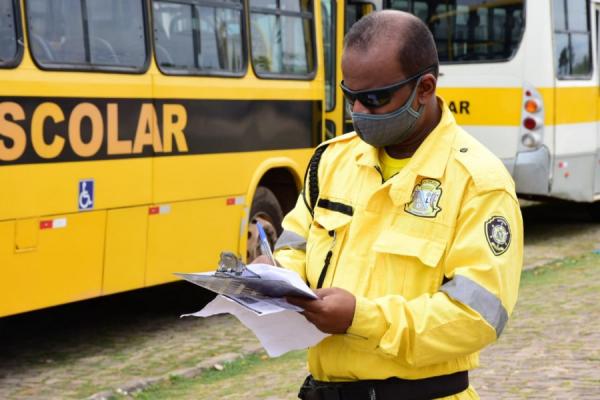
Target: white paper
(267, 271)
(278, 331)
(265, 306)
(276, 323)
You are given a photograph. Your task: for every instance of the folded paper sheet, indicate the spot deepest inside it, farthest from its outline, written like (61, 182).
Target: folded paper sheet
(259, 304)
(278, 332)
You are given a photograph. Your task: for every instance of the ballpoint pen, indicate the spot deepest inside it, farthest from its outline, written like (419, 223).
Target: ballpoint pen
(265, 248)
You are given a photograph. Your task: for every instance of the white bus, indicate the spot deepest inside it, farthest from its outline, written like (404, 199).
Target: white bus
(522, 77)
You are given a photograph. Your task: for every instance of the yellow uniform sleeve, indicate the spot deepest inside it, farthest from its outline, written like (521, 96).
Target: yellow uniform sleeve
(290, 249)
(482, 266)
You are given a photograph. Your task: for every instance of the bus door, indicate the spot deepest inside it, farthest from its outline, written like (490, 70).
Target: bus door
(338, 16)
(332, 15)
(576, 99)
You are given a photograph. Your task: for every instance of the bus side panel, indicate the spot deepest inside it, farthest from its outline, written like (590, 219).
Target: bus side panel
(41, 267)
(125, 253)
(48, 189)
(197, 177)
(575, 119)
(187, 237)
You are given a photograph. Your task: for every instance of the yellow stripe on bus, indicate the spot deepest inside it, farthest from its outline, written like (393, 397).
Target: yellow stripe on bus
(503, 106)
(35, 83)
(484, 106)
(573, 105)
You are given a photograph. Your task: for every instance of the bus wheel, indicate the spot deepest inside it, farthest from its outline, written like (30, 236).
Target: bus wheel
(266, 210)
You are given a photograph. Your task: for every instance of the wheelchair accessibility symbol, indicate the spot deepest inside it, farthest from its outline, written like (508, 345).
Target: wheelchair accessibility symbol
(86, 194)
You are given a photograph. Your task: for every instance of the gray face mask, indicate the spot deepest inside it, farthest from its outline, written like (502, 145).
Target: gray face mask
(381, 130)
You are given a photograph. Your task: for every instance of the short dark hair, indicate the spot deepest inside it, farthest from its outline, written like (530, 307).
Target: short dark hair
(416, 46)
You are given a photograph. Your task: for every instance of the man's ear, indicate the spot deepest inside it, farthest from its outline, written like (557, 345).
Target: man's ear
(426, 88)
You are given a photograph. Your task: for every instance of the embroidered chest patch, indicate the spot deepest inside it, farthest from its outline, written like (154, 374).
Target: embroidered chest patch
(497, 233)
(425, 198)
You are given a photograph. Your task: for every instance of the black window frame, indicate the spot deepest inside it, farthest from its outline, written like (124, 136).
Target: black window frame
(16, 60)
(334, 84)
(178, 71)
(387, 5)
(279, 12)
(92, 67)
(569, 32)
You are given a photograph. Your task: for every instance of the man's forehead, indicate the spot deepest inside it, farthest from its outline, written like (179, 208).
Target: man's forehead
(376, 51)
(380, 60)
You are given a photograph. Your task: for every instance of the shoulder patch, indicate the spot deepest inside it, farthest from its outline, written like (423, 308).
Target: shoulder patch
(497, 233)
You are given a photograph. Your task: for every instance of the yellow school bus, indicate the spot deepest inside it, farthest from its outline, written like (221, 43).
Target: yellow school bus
(138, 137)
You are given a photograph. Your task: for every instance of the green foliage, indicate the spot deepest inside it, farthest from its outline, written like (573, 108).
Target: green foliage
(559, 269)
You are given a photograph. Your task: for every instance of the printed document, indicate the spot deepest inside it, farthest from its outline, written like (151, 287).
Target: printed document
(258, 302)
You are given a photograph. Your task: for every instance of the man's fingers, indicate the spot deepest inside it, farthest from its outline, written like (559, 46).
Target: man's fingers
(297, 301)
(306, 304)
(311, 317)
(322, 293)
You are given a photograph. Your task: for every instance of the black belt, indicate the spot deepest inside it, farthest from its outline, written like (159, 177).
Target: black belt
(391, 388)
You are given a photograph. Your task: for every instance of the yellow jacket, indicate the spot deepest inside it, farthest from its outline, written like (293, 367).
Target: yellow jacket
(433, 255)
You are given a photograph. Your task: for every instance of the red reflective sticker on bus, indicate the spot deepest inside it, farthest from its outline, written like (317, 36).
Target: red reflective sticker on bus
(153, 210)
(46, 224)
(231, 201)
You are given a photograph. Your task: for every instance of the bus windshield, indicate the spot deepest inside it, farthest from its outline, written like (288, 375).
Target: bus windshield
(470, 30)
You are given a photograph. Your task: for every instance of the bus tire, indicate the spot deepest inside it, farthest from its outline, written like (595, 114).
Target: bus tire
(594, 211)
(266, 210)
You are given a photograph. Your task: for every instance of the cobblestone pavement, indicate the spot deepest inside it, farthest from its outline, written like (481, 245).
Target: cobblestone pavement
(549, 350)
(71, 353)
(81, 349)
(551, 346)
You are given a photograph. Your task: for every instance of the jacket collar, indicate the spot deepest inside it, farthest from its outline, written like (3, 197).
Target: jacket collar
(429, 160)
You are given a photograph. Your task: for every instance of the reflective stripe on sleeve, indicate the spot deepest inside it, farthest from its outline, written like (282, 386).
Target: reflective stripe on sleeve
(480, 299)
(292, 240)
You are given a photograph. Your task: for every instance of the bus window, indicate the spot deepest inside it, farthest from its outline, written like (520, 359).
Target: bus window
(110, 37)
(282, 37)
(355, 11)
(572, 50)
(116, 31)
(8, 33)
(199, 38)
(470, 30)
(329, 23)
(56, 31)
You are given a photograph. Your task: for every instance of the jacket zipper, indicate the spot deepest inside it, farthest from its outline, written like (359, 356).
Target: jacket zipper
(380, 173)
(327, 260)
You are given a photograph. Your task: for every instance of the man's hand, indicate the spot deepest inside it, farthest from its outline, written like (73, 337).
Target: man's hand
(332, 312)
(262, 259)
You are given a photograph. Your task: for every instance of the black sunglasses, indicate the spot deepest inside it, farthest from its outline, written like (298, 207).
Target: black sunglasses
(378, 97)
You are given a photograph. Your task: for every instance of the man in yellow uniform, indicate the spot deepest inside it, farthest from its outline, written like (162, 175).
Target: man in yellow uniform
(409, 230)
